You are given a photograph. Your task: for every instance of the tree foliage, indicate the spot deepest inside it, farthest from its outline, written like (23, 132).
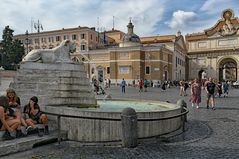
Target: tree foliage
(11, 49)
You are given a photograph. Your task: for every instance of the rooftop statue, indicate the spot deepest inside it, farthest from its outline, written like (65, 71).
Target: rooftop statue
(59, 54)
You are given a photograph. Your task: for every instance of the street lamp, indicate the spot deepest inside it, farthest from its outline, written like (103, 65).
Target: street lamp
(38, 26)
(27, 41)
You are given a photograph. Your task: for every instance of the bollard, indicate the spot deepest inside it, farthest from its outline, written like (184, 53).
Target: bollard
(129, 128)
(183, 105)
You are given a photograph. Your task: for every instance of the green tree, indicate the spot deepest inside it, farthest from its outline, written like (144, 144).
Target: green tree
(12, 50)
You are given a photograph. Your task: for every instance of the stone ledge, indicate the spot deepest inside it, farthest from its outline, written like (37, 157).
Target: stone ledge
(27, 143)
(53, 66)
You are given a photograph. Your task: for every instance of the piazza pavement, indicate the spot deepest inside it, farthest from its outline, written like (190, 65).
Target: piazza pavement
(209, 133)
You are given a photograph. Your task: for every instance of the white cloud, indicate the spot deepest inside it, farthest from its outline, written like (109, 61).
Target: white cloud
(57, 14)
(147, 15)
(210, 4)
(181, 19)
(215, 6)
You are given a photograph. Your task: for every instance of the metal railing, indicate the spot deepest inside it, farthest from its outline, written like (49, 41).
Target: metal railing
(59, 116)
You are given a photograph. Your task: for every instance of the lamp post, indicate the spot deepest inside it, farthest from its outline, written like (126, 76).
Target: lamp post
(26, 41)
(38, 26)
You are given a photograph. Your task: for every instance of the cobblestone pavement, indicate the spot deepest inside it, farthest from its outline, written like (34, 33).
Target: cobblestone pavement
(209, 134)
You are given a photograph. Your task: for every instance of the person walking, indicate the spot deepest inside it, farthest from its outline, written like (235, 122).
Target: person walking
(196, 93)
(140, 85)
(123, 84)
(210, 90)
(145, 85)
(106, 83)
(219, 89)
(185, 87)
(225, 87)
(133, 83)
(164, 86)
(181, 83)
(109, 82)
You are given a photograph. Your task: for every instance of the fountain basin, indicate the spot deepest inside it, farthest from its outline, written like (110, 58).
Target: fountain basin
(95, 130)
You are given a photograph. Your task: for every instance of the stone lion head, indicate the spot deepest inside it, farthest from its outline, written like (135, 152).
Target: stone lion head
(71, 46)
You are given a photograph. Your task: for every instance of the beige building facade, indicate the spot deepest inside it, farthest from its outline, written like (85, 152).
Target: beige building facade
(176, 44)
(84, 38)
(215, 52)
(134, 58)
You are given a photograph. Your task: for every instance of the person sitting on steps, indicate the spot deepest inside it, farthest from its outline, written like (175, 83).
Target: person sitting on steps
(8, 124)
(35, 115)
(15, 110)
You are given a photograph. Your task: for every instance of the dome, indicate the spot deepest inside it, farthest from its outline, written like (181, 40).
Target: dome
(130, 39)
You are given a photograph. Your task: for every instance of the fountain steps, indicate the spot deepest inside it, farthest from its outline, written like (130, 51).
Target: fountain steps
(53, 84)
(61, 80)
(26, 86)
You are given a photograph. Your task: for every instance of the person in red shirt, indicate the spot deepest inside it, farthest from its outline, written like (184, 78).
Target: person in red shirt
(140, 85)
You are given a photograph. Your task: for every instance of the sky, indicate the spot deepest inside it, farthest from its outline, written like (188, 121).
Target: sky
(150, 17)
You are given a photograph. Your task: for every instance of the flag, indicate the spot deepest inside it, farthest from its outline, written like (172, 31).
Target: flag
(104, 39)
(35, 25)
(41, 27)
(98, 38)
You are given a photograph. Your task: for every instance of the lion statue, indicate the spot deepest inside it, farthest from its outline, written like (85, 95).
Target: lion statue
(58, 54)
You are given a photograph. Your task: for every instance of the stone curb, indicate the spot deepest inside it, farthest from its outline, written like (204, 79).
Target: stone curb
(27, 143)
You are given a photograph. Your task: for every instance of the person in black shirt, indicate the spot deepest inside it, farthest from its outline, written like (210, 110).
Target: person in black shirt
(210, 90)
(36, 116)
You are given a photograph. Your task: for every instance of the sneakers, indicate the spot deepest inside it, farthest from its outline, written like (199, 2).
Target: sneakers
(20, 134)
(207, 107)
(29, 128)
(213, 108)
(32, 131)
(197, 106)
(7, 136)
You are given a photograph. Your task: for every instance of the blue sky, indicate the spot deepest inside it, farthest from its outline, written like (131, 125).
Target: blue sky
(150, 17)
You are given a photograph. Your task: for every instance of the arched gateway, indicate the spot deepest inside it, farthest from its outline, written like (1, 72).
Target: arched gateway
(228, 69)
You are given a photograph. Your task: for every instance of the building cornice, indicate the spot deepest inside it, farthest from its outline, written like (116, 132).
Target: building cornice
(57, 31)
(213, 53)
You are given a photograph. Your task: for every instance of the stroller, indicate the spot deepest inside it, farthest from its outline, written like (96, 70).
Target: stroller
(101, 90)
(98, 89)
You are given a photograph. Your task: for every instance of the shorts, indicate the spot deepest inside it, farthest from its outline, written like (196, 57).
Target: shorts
(209, 95)
(36, 117)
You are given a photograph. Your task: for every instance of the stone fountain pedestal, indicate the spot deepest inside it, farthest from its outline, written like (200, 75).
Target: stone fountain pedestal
(57, 84)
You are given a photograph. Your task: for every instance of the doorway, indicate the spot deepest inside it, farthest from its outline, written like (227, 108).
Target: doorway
(228, 70)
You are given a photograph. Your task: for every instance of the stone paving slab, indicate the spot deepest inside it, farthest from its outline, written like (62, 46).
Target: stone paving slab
(209, 134)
